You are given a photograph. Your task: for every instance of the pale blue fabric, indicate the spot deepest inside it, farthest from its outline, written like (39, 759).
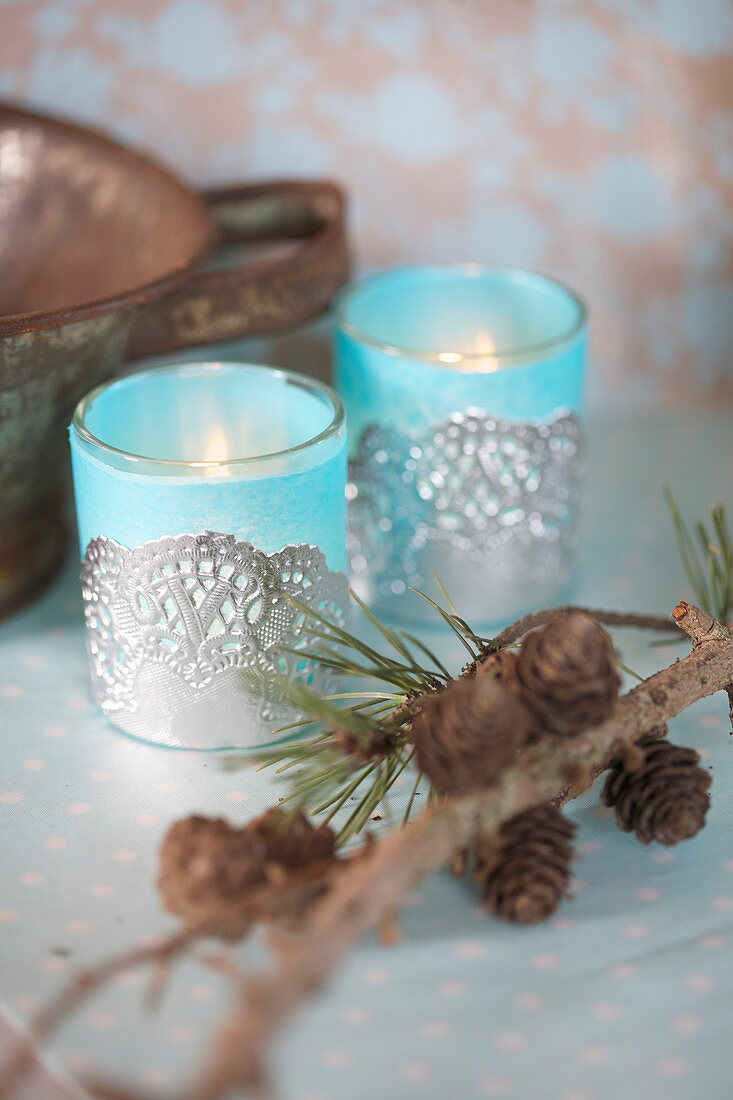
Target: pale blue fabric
(628, 993)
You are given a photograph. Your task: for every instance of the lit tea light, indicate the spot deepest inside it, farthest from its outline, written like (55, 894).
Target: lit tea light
(210, 498)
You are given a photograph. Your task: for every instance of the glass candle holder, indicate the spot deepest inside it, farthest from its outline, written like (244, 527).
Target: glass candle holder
(211, 508)
(463, 388)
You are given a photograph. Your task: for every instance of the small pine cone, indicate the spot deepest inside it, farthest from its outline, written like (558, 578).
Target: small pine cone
(525, 871)
(567, 676)
(659, 791)
(210, 873)
(468, 733)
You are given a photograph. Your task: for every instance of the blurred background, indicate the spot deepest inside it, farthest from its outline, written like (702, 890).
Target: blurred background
(588, 139)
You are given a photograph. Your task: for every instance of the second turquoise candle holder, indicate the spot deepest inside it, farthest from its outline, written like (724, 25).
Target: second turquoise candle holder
(463, 388)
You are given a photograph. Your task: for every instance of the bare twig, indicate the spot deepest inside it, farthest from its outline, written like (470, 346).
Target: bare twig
(81, 986)
(374, 886)
(515, 631)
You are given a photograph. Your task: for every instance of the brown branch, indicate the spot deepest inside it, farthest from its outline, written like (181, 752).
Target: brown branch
(81, 986)
(515, 631)
(700, 626)
(374, 886)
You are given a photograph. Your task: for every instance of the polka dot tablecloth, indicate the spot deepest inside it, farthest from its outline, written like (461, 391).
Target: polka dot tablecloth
(627, 992)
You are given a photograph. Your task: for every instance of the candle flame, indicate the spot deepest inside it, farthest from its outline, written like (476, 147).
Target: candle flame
(216, 450)
(484, 343)
(484, 346)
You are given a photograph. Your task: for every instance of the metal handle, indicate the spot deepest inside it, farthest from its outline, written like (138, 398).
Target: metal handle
(266, 295)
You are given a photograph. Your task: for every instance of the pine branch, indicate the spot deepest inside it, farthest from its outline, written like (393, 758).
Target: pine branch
(373, 888)
(707, 558)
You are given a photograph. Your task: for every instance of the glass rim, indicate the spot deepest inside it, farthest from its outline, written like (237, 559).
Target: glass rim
(498, 358)
(304, 382)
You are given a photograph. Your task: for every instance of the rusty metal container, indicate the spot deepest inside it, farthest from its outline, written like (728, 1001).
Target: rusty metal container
(100, 261)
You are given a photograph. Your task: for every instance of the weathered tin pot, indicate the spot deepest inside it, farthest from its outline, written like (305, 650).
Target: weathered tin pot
(99, 251)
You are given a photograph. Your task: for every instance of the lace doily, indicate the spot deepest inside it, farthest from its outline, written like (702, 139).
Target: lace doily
(188, 636)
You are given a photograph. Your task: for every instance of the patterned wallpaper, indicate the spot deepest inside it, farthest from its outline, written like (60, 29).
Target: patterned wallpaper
(591, 139)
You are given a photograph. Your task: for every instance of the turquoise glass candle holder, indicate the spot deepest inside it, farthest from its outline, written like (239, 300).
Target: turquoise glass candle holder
(463, 388)
(211, 508)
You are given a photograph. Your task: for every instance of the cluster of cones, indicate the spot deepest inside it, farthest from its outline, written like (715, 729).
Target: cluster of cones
(562, 681)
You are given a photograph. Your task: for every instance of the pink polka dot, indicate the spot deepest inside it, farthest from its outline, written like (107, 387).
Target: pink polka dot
(686, 1025)
(576, 1094)
(78, 927)
(154, 1076)
(700, 983)
(102, 1020)
(545, 962)
(77, 808)
(100, 775)
(55, 843)
(13, 691)
(31, 878)
(710, 721)
(589, 847)
(375, 977)
(723, 905)
(414, 1071)
(433, 1029)
(101, 890)
(494, 1086)
(169, 786)
(672, 1067)
(125, 855)
(28, 1006)
(147, 820)
(8, 915)
(34, 660)
(202, 993)
(561, 923)
(577, 885)
(335, 1058)
(452, 989)
(180, 1033)
(604, 812)
(607, 1011)
(649, 893)
(78, 1062)
(356, 1017)
(729, 866)
(529, 1001)
(129, 979)
(594, 1055)
(636, 931)
(511, 1041)
(55, 731)
(237, 796)
(712, 941)
(704, 754)
(34, 765)
(77, 702)
(665, 856)
(469, 950)
(53, 965)
(11, 798)
(622, 971)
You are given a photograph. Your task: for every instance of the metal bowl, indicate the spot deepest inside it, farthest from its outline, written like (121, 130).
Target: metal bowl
(99, 249)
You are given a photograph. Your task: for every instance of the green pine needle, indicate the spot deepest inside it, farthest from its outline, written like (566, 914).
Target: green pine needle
(707, 558)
